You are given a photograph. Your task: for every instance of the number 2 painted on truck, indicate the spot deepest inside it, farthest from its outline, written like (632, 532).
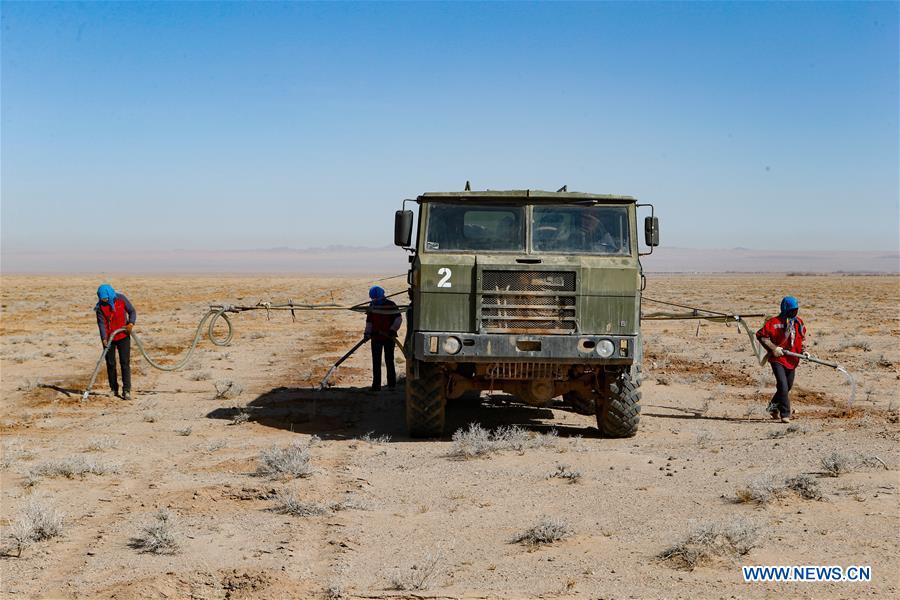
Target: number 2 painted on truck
(445, 280)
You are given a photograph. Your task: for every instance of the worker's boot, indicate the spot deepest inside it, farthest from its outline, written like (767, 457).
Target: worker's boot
(126, 396)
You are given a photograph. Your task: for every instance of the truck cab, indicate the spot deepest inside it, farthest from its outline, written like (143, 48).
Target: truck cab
(530, 292)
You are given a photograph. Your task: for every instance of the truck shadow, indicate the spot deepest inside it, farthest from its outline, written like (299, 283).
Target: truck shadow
(351, 412)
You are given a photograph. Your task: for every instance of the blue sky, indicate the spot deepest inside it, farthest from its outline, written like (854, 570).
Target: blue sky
(249, 125)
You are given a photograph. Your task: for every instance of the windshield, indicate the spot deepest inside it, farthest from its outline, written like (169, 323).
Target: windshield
(581, 229)
(475, 227)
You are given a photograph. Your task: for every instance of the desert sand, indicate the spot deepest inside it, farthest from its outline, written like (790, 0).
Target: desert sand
(396, 512)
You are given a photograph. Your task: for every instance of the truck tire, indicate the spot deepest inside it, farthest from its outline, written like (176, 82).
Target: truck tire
(583, 405)
(618, 414)
(426, 401)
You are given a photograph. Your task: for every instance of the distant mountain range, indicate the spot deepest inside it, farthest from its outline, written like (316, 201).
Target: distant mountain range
(350, 260)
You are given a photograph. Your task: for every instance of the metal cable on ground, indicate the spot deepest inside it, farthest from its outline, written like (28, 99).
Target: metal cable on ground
(693, 308)
(759, 352)
(362, 307)
(212, 316)
(220, 311)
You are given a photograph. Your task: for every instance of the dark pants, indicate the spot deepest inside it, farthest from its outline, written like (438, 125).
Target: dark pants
(385, 347)
(123, 346)
(784, 381)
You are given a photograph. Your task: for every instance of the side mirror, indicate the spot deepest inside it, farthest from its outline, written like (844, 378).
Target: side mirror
(651, 231)
(403, 221)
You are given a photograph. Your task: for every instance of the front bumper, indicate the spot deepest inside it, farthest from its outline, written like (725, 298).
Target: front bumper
(493, 347)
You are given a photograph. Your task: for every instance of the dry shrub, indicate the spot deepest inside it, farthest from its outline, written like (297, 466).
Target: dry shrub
(103, 442)
(711, 542)
(216, 445)
(14, 451)
(567, 473)
(76, 466)
(37, 521)
(351, 503)
(804, 486)
(546, 531)
(766, 488)
(476, 441)
(786, 431)
(860, 344)
(158, 536)
(240, 417)
(226, 388)
(837, 463)
(761, 490)
(472, 442)
(287, 503)
(30, 384)
(334, 591)
(289, 462)
(376, 440)
(418, 575)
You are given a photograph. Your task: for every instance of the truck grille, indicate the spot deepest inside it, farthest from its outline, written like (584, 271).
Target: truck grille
(528, 301)
(525, 371)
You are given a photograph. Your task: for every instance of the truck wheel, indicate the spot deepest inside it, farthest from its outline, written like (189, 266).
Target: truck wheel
(426, 402)
(618, 414)
(583, 405)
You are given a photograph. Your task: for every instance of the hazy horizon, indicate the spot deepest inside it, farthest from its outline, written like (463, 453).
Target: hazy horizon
(343, 260)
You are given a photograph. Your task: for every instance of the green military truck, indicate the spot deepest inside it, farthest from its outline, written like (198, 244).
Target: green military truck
(534, 293)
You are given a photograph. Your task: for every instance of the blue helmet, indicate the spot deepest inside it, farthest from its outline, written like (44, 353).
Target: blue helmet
(789, 303)
(376, 292)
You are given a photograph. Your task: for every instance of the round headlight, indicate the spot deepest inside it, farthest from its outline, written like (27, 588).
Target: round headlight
(605, 348)
(452, 345)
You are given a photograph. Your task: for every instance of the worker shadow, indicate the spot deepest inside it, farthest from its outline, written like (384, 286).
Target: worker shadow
(351, 412)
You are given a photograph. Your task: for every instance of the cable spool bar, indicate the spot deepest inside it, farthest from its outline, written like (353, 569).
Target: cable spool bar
(220, 311)
(759, 352)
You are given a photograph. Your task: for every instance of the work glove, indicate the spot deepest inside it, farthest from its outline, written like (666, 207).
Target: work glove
(129, 327)
(393, 334)
(777, 351)
(366, 338)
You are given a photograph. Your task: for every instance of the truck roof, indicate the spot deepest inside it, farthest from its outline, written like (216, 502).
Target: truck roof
(527, 195)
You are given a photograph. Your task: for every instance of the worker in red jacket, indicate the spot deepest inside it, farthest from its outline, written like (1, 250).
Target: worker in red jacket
(114, 311)
(784, 332)
(383, 320)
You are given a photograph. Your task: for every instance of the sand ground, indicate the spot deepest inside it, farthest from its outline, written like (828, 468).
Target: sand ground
(408, 510)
